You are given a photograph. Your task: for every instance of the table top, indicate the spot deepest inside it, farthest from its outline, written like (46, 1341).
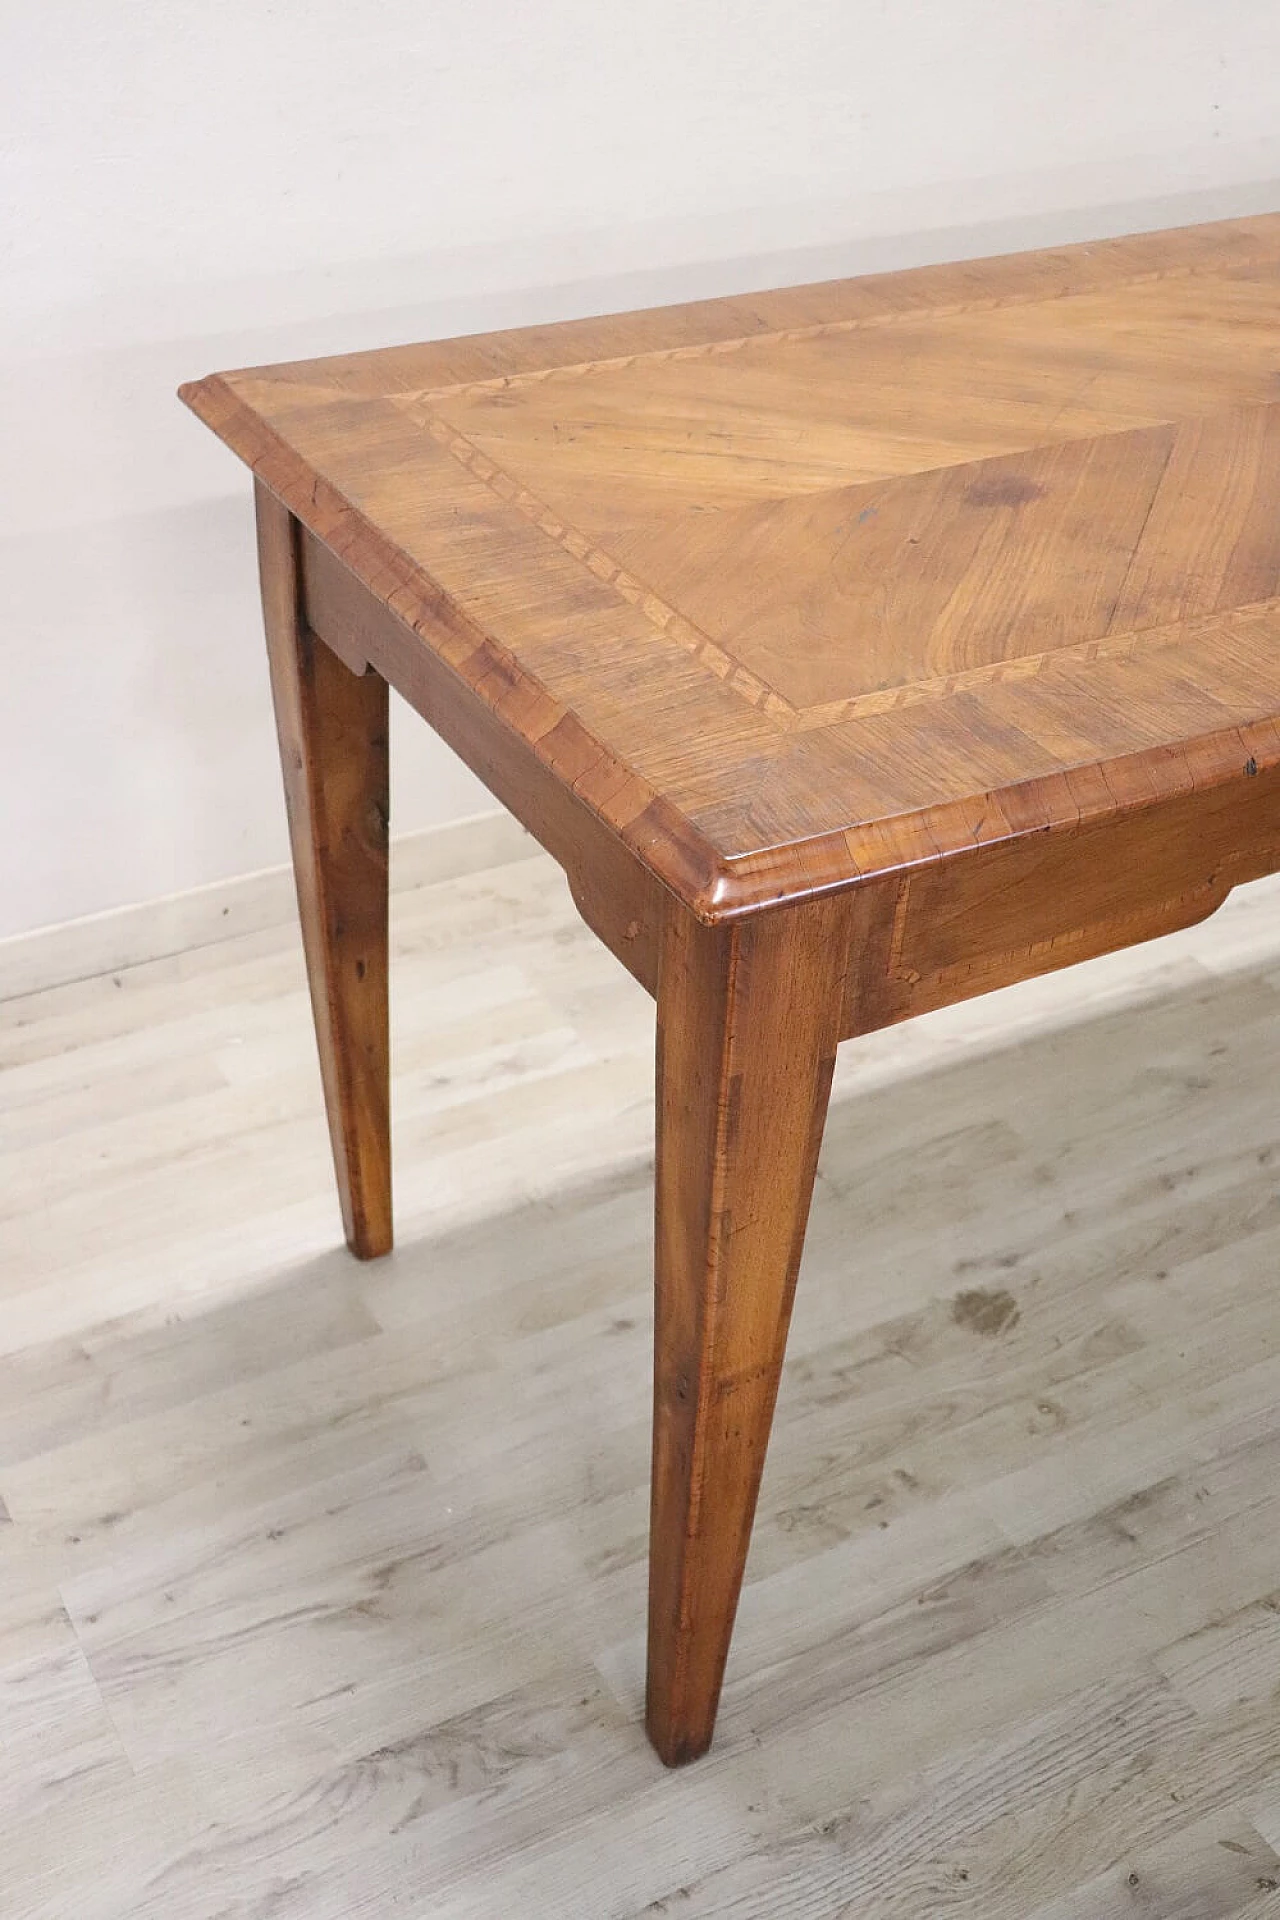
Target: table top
(824, 581)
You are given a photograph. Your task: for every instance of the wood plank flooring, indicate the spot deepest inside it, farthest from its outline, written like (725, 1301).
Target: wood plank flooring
(322, 1587)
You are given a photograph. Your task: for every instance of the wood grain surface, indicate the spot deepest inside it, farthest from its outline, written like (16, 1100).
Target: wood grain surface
(332, 725)
(748, 1021)
(322, 1584)
(855, 649)
(799, 587)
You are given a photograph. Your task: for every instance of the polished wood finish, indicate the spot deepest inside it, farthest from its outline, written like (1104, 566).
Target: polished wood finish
(860, 566)
(950, 598)
(332, 724)
(748, 1021)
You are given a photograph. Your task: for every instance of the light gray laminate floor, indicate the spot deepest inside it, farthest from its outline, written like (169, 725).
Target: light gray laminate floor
(322, 1587)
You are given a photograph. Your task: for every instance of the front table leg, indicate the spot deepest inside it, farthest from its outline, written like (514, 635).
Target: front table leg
(748, 1021)
(332, 725)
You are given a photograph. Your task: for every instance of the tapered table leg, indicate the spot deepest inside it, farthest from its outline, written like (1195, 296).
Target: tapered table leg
(748, 1020)
(332, 726)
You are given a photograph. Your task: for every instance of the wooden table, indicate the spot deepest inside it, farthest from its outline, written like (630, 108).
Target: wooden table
(854, 648)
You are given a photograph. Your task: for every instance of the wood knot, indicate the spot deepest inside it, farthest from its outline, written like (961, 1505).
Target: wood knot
(1003, 490)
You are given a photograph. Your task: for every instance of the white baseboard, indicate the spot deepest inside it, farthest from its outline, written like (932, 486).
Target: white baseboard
(150, 929)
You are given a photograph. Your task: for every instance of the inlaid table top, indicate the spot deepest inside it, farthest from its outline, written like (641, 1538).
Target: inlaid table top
(795, 586)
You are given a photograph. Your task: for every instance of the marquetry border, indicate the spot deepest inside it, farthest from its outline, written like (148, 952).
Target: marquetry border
(659, 613)
(757, 693)
(823, 329)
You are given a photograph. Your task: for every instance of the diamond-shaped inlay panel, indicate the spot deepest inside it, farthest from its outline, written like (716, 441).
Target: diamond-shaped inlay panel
(877, 518)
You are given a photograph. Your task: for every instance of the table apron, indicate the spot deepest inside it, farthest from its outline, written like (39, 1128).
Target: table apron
(619, 898)
(1014, 908)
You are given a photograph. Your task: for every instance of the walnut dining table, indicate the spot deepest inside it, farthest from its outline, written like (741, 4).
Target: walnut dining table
(854, 648)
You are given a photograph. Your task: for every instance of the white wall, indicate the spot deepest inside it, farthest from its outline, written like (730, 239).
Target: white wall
(190, 186)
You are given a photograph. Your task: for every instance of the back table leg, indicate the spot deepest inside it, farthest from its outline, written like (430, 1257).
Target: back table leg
(748, 1020)
(332, 725)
